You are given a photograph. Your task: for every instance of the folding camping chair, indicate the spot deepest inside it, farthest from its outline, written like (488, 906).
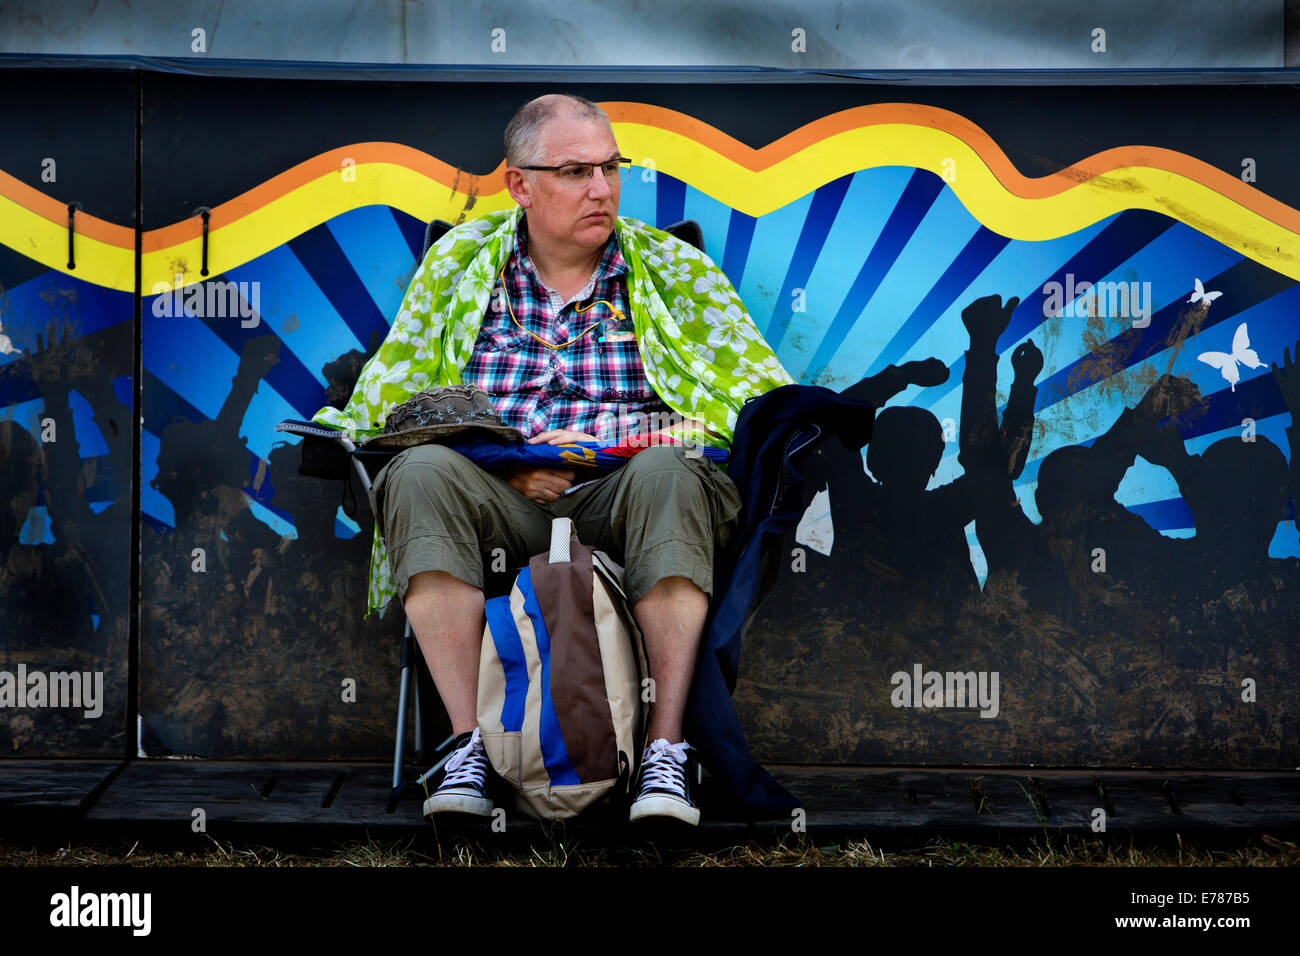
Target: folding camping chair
(329, 453)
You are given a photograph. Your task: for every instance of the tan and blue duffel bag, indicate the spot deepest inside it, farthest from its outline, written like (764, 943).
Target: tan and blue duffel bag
(562, 701)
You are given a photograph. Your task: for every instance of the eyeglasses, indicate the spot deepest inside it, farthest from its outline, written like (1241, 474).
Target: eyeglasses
(579, 174)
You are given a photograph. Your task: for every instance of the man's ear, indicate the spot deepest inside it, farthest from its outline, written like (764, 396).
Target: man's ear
(519, 187)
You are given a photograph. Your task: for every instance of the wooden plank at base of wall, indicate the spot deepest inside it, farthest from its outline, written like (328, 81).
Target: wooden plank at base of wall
(60, 787)
(165, 794)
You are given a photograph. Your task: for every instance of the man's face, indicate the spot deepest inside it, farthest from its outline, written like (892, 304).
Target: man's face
(561, 211)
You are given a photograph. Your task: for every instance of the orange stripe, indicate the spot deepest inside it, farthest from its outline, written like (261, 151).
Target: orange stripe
(1099, 164)
(56, 212)
(321, 165)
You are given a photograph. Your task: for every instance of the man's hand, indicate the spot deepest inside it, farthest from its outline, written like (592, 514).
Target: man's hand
(926, 373)
(542, 485)
(1027, 360)
(560, 436)
(987, 318)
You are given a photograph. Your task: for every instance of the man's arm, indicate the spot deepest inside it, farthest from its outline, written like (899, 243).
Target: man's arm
(1005, 533)
(544, 485)
(1018, 418)
(982, 451)
(880, 388)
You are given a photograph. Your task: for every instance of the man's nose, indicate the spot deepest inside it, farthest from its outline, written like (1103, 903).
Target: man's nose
(599, 187)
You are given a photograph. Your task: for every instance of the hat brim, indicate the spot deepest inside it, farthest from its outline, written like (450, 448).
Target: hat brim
(423, 434)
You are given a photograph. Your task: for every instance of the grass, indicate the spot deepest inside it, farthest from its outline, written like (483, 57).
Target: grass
(790, 852)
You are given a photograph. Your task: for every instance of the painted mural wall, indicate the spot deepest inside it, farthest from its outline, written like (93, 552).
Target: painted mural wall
(1071, 540)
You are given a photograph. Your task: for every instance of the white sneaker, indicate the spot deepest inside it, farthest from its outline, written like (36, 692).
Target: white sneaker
(665, 787)
(464, 782)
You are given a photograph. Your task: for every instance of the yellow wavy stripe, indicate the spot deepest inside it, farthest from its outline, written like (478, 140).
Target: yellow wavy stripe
(756, 192)
(100, 263)
(259, 231)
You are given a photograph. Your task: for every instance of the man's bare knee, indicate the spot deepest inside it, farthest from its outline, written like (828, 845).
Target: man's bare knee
(428, 587)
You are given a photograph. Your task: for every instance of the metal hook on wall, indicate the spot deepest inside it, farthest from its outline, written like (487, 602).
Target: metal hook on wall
(206, 213)
(72, 229)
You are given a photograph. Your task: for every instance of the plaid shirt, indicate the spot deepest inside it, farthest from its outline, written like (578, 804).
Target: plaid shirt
(586, 386)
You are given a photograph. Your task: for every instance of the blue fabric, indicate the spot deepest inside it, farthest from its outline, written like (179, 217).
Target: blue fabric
(487, 453)
(510, 651)
(774, 432)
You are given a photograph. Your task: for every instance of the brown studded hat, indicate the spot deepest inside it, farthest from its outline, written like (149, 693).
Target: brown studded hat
(439, 413)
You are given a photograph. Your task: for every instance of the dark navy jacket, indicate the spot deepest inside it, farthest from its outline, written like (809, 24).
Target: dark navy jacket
(774, 433)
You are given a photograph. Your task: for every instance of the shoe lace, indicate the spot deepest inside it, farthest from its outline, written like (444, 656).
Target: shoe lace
(662, 765)
(468, 764)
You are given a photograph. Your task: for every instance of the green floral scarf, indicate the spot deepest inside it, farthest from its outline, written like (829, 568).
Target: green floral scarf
(702, 353)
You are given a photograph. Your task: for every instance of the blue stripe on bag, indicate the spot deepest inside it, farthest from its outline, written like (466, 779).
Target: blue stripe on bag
(510, 651)
(554, 754)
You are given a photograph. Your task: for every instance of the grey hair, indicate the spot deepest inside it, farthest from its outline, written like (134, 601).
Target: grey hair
(524, 132)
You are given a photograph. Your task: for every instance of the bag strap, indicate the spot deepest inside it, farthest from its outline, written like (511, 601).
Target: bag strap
(563, 534)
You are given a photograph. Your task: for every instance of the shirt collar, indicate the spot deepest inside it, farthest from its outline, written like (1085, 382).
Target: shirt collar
(611, 262)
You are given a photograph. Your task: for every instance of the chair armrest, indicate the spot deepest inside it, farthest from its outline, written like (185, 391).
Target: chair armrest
(315, 430)
(326, 452)
(329, 453)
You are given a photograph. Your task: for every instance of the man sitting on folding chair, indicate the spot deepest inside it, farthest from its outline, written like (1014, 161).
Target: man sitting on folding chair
(573, 319)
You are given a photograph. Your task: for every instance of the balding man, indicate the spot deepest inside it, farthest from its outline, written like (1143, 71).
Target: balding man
(572, 319)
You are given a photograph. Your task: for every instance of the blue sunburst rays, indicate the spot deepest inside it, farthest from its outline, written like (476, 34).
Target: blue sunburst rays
(906, 295)
(1245, 284)
(721, 226)
(317, 294)
(1082, 391)
(1082, 415)
(299, 313)
(1111, 242)
(859, 251)
(1161, 269)
(981, 249)
(192, 360)
(376, 247)
(1147, 489)
(1014, 271)
(638, 198)
(762, 278)
(320, 294)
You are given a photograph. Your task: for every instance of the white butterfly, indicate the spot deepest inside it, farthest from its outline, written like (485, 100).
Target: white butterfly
(1241, 353)
(1200, 295)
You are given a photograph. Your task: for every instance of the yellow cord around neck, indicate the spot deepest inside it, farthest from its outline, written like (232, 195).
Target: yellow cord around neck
(578, 310)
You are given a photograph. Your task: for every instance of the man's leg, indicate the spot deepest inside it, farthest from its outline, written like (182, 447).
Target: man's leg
(663, 515)
(440, 514)
(672, 619)
(446, 616)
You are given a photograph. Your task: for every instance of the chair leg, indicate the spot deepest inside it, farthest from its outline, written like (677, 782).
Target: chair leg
(399, 751)
(417, 693)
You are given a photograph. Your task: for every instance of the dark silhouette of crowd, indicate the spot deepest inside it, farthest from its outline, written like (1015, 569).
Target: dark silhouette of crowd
(905, 550)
